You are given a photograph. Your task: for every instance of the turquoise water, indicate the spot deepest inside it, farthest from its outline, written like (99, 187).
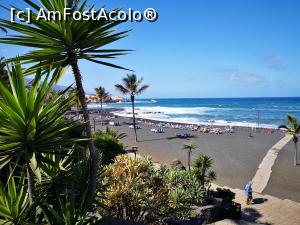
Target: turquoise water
(263, 112)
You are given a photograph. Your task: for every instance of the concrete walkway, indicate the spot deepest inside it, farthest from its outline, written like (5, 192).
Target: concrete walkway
(266, 210)
(262, 176)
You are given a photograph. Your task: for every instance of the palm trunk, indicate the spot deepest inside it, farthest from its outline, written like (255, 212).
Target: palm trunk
(133, 118)
(101, 112)
(295, 156)
(94, 155)
(189, 160)
(30, 183)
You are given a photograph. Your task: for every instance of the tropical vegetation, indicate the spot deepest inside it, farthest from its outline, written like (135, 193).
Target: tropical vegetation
(138, 190)
(102, 94)
(50, 165)
(63, 43)
(189, 147)
(292, 129)
(132, 86)
(42, 154)
(109, 145)
(202, 169)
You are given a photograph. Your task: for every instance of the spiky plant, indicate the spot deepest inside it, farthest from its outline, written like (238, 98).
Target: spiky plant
(30, 126)
(202, 166)
(14, 201)
(132, 86)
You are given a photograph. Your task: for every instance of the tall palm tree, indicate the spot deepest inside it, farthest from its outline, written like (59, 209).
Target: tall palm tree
(189, 147)
(102, 95)
(30, 126)
(293, 129)
(62, 43)
(132, 86)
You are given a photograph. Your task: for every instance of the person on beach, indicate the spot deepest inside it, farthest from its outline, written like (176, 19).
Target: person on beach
(248, 192)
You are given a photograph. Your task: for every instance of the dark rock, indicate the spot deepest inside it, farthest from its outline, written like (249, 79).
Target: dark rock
(177, 164)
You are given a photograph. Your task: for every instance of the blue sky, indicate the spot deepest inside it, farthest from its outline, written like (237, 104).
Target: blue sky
(204, 48)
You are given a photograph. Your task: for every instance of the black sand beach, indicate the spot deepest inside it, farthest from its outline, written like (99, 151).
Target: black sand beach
(236, 156)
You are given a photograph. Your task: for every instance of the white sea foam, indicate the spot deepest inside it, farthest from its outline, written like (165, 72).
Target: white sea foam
(179, 115)
(173, 110)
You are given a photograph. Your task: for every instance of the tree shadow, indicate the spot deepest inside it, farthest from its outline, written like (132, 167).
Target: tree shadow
(251, 215)
(167, 138)
(157, 139)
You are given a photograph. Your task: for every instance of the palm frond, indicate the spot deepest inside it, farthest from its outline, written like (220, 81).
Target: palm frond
(142, 89)
(29, 116)
(57, 42)
(121, 88)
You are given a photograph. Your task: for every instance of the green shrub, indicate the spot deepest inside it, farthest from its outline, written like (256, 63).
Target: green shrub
(202, 170)
(108, 144)
(226, 194)
(136, 190)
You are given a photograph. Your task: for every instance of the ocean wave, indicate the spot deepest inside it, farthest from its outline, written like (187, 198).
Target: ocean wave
(172, 110)
(189, 120)
(145, 101)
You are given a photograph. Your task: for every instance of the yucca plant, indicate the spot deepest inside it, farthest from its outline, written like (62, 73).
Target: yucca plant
(63, 43)
(202, 169)
(14, 201)
(68, 212)
(31, 127)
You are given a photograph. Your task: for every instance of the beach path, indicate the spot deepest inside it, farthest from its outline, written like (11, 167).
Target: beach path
(263, 174)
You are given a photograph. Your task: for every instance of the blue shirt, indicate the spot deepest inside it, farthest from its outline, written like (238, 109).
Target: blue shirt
(248, 189)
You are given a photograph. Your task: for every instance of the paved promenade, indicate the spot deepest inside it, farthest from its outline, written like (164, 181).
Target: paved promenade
(263, 174)
(269, 210)
(266, 210)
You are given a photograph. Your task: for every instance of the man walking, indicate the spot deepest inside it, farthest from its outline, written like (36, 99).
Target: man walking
(248, 192)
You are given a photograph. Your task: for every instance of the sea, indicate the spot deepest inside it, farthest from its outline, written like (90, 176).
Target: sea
(246, 112)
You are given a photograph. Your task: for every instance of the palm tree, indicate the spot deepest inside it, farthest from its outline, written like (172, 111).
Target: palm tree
(189, 147)
(30, 126)
(201, 167)
(102, 95)
(62, 43)
(132, 86)
(293, 130)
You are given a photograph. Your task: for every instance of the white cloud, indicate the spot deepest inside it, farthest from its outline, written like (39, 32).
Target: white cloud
(274, 61)
(246, 77)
